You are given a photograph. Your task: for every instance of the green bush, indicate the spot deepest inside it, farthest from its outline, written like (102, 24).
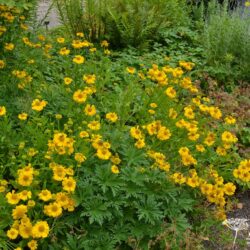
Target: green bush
(123, 23)
(226, 40)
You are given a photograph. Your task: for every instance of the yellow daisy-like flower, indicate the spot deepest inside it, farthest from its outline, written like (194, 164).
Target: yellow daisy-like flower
(60, 40)
(104, 43)
(9, 46)
(80, 96)
(78, 59)
(79, 157)
(2, 110)
(170, 92)
(32, 245)
(2, 64)
(64, 51)
(89, 79)
(94, 125)
(12, 233)
(19, 212)
(111, 116)
(40, 229)
(68, 80)
(38, 105)
(130, 70)
(53, 209)
(12, 197)
(23, 116)
(45, 195)
(103, 153)
(90, 110)
(115, 169)
(69, 184)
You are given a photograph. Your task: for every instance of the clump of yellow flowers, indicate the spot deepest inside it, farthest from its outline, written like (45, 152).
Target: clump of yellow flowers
(76, 121)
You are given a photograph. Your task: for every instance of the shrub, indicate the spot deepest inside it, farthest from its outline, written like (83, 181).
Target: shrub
(226, 41)
(124, 23)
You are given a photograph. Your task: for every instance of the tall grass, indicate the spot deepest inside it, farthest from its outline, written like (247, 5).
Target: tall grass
(226, 39)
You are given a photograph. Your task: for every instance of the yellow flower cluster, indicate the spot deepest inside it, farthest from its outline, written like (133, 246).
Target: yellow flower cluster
(242, 172)
(102, 148)
(61, 144)
(160, 160)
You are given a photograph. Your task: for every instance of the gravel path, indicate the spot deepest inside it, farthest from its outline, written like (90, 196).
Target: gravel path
(52, 17)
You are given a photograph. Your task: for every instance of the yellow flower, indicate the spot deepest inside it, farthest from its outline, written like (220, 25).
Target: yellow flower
(178, 178)
(64, 51)
(59, 172)
(25, 230)
(83, 134)
(94, 125)
(170, 92)
(60, 40)
(19, 211)
(31, 203)
(104, 43)
(90, 110)
(32, 245)
(45, 195)
(80, 96)
(9, 46)
(229, 188)
(12, 197)
(140, 143)
(221, 151)
(40, 229)
(192, 181)
(130, 70)
(41, 38)
(103, 153)
(2, 64)
(2, 110)
(25, 195)
(80, 34)
(136, 133)
(112, 117)
(230, 120)
(151, 111)
(80, 157)
(78, 59)
(115, 169)
(228, 137)
(38, 105)
(12, 233)
(25, 178)
(53, 209)
(183, 151)
(67, 80)
(188, 160)
(89, 79)
(23, 116)
(215, 112)
(115, 159)
(189, 113)
(200, 148)
(163, 134)
(172, 113)
(69, 184)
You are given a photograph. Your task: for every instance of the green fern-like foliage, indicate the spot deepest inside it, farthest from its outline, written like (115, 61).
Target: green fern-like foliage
(123, 22)
(136, 23)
